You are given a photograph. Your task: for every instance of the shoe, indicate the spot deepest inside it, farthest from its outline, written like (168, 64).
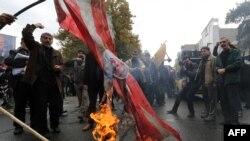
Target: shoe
(247, 106)
(172, 112)
(204, 115)
(80, 117)
(209, 118)
(64, 113)
(225, 123)
(87, 127)
(56, 130)
(190, 115)
(240, 114)
(8, 106)
(18, 131)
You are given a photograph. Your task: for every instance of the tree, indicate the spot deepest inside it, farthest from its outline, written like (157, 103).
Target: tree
(70, 44)
(126, 42)
(241, 14)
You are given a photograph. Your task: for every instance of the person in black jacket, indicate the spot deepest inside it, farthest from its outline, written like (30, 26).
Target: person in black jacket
(94, 83)
(190, 86)
(21, 89)
(43, 74)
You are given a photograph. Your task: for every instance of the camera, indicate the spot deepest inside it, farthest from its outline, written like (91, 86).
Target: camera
(181, 63)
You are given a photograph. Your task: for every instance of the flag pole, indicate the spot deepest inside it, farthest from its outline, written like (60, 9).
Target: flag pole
(24, 9)
(32, 131)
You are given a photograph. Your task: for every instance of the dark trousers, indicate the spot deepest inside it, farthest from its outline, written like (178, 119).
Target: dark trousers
(246, 92)
(210, 100)
(93, 93)
(159, 93)
(22, 97)
(46, 95)
(188, 92)
(149, 94)
(229, 102)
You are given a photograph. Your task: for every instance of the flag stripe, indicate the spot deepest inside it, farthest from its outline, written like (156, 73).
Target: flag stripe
(65, 20)
(75, 13)
(87, 18)
(101, 22)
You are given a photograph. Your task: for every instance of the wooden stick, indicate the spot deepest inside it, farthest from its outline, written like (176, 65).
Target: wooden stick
(32, 131)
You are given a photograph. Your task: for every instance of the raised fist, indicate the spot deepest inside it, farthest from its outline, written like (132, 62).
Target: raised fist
(39, 25)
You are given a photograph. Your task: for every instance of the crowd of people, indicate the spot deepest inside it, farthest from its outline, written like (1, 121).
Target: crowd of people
(34, 72)
(36, 78)
(219, 76)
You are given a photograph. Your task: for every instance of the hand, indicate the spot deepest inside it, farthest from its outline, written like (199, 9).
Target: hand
(184, 68)
(39, 25)
(77, 59)
(57, 67)
(221, 71)
(85, 87)
(7, 18)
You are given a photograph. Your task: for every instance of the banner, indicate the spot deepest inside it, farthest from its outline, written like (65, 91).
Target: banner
(7, 43)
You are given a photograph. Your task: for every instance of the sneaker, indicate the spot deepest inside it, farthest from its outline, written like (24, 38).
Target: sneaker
(18, 131)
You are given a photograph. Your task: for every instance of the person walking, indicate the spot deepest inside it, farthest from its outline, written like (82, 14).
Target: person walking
(190, 86)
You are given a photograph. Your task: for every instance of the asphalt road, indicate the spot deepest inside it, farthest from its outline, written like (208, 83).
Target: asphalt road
(190, 129)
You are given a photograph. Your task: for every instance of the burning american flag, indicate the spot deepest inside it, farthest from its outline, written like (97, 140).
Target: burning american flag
(87, 20)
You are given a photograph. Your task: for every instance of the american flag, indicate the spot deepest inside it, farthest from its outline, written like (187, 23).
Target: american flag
(87, 20)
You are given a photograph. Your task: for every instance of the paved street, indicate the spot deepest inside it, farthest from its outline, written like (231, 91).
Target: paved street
(194, 129)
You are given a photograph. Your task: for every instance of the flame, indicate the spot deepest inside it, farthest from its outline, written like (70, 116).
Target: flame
(106, 121)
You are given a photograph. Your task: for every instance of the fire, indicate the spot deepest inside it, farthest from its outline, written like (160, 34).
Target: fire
(106, 121)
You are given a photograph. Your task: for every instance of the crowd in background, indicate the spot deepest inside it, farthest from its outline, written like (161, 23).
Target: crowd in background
(33, 75)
